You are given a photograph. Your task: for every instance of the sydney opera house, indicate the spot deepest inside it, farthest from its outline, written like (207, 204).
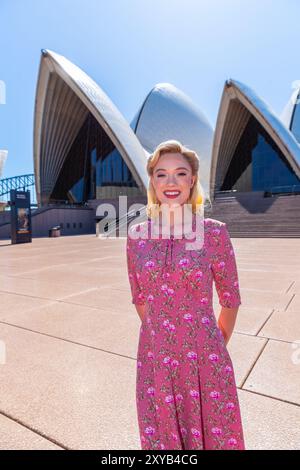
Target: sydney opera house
(85, 151)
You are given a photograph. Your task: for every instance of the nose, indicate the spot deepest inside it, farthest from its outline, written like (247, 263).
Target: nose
(171, 179)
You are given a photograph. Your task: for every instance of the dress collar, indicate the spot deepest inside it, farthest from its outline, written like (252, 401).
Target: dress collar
(189, 230)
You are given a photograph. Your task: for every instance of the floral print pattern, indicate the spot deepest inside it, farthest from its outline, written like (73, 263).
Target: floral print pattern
(186, 393)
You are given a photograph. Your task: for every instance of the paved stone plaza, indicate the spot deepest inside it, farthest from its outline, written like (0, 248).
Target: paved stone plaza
(69, 336)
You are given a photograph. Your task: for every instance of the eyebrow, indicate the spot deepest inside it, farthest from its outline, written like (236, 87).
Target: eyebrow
(180, 168)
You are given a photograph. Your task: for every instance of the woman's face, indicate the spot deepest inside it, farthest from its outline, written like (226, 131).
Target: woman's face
(172, 173)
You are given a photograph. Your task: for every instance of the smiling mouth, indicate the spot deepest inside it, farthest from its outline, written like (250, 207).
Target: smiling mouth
(172, 194)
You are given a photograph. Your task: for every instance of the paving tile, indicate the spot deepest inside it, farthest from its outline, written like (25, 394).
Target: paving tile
(277, 372)
(81, 397)
(43, 288)
(250, 320)
(244, 351)
(295, 289)
(253, 298)
(71, 335)
(269, 424)
(295, 301)
(14, 436)
(116, 331)
(283, 326)
(105, 298)
(264, 281)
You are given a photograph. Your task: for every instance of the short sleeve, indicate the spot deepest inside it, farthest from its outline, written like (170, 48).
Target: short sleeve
(137, 296)
(224, 270)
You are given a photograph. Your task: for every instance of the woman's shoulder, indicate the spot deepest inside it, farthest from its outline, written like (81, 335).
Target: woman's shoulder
(136, 230)
(213, 223)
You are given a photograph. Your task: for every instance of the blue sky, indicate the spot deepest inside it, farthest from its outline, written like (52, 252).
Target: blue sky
(127, 46)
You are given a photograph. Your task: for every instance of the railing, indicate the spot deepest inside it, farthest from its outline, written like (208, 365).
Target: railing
(64, 202)
(283, 190)
(226, 193)
(120, 222)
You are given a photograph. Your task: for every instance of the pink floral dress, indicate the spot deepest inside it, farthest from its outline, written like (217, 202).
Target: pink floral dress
(186, 393)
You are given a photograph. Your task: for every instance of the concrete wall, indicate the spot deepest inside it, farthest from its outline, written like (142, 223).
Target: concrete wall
(46, 217)
(74, 221)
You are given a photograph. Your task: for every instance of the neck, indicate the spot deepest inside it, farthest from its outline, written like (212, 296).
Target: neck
(174, 221)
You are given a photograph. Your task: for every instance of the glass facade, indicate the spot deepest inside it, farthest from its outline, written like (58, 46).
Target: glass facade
(92, 162)
(257, 155)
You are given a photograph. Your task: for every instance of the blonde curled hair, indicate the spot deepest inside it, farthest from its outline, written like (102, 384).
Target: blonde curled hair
(196, 197)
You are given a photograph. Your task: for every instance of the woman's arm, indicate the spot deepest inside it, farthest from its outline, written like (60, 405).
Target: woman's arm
(137, 295)
(140, 310)
(225, 274)
(226, 321)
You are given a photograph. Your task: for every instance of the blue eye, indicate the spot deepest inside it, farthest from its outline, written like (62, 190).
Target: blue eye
(184, 174)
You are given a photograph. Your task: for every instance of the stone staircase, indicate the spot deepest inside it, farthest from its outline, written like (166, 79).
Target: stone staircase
(250, 214)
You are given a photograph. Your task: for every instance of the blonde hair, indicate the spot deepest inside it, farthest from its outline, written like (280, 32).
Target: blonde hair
(196, 197)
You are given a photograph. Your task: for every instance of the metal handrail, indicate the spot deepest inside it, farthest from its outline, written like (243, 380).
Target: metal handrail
(226, 191)
(293, 188)
(122, 222)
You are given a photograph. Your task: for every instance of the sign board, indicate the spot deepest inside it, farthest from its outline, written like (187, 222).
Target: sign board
(20, 216)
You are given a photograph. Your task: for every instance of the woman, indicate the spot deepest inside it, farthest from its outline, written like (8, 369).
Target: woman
(185, 385)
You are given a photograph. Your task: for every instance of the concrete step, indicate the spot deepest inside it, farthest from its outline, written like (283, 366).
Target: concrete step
(252, 215)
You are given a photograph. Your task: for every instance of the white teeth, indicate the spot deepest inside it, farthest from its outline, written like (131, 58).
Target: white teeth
(172, 193)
